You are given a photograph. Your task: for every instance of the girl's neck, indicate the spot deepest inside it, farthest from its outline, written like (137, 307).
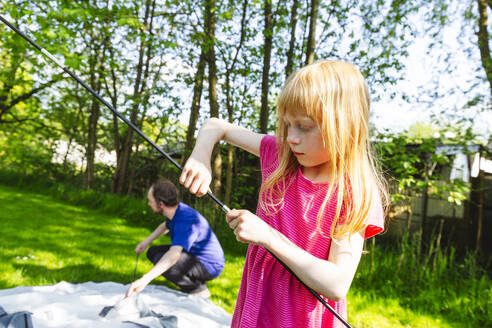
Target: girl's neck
(316, 173)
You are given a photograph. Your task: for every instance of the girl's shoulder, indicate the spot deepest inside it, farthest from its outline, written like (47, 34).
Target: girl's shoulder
(268, 144)
(268, 152)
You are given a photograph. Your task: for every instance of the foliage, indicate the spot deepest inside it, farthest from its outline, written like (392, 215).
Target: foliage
(414, 165)
(107, 45)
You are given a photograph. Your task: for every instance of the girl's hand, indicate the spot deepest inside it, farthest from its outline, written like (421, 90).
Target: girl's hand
(249, 228)
(141, 247)
(197, 174)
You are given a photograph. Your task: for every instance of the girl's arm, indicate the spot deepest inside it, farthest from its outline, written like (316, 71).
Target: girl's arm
(196, 175)
(159, 231)
(331, 278)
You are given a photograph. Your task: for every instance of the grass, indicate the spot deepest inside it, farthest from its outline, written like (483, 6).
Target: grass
(411, 287)
(47, 239)
(377, 312)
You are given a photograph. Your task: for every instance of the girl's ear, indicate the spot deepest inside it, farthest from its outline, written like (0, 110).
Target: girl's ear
(162, 205)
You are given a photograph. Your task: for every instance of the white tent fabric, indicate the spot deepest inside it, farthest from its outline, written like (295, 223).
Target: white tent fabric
(78, 305)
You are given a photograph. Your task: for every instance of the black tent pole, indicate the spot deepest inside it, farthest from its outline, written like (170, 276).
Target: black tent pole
(139, 132)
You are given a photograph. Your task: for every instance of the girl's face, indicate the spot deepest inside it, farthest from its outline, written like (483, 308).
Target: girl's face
(306, 143)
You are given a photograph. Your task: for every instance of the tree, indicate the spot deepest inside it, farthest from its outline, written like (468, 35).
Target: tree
(209, 44)
(230, 70)
(483, 38)
(472, 19)
(195, 104)
(311, 43)
(151, 60)
(292, 42)
(96, 46)
(267, 52)
(19, 64)
(140, 88)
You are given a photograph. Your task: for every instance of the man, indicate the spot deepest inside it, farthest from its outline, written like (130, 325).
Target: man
(194, 256)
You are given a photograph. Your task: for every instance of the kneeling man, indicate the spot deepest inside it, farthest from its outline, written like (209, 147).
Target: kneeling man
(194, 256)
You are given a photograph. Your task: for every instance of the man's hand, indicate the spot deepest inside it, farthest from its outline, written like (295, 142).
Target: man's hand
(137, 286)
(141, 247)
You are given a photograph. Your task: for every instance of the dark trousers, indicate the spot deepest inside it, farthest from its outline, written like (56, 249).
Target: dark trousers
(188, 273)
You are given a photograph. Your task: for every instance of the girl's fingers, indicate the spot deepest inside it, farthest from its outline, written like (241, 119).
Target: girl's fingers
(194, 185)
(203, 189)
(190, 180)
(184, 178)
(233, 224)
(232, 214)
(184, 174)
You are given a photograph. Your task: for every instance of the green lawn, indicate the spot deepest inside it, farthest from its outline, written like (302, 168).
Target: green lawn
(45, 241)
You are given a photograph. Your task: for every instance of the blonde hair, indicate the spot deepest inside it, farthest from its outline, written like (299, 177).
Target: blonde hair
(335, 95)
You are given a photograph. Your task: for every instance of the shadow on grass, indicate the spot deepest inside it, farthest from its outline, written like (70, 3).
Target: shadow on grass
(70, 273)
(77, 273)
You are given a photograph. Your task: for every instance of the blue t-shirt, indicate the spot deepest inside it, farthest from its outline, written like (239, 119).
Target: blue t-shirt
(190, 230)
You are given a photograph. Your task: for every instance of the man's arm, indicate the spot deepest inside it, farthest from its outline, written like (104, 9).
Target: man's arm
(167, 260)
(159, 231)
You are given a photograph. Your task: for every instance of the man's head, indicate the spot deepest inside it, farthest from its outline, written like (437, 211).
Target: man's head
(162, 193)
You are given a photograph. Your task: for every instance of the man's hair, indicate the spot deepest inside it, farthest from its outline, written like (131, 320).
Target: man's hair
(165, 191)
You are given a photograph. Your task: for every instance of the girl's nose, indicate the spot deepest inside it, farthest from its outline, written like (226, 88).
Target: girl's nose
(292, 139)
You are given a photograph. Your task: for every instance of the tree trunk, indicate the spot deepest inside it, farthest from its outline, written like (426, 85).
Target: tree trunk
(195, 104)
(113, 94)
(91, 144)
(267, 52)
(131, 179)
(311, 43)
(229, 104)
(425, 199)
(96, 72)
(483, 40)
(229, 173)
(212, 89)
(478, 240)
(139, 88)
(292, 42)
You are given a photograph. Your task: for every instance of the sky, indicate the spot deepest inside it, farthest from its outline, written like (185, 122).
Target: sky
(422, 74)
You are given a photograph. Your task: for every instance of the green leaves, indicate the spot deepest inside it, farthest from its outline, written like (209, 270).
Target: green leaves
(417, 164)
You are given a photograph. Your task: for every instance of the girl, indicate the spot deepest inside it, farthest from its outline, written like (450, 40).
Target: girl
(321, 196)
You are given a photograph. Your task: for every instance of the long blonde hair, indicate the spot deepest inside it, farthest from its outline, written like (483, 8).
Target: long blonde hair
(335, 95)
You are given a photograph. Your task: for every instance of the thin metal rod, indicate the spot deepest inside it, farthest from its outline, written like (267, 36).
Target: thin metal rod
(135, 269)
(130, 124)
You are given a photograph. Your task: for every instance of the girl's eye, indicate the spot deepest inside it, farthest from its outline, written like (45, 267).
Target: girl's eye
(303, 127)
